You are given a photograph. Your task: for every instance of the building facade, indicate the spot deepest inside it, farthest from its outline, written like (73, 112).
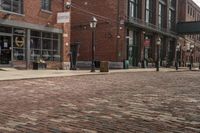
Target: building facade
(126, 30)
(29, 32)
(189, 11)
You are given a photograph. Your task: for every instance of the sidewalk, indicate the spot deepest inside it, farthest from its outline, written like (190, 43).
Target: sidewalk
(31, 74)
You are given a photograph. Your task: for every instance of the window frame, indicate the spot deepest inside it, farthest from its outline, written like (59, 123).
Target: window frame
(149, 11)
(48, 54)
(46, 5)
(20, 7)
(133, 10)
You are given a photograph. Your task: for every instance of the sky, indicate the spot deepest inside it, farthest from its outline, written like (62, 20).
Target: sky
(197, 1)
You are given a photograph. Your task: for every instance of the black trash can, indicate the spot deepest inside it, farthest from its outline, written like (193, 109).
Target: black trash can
(126, 64)
(97, 64)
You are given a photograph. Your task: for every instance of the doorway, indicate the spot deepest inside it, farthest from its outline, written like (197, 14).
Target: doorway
(133, 48)
(5, 49)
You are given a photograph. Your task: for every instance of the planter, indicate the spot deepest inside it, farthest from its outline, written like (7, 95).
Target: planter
(39, 66)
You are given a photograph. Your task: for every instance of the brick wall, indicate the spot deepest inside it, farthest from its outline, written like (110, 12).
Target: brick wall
(106, 31)
(34, 15)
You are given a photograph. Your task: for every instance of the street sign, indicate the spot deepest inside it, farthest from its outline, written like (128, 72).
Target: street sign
(63, 17)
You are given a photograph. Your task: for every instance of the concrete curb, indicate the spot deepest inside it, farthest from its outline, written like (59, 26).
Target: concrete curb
(17, 75)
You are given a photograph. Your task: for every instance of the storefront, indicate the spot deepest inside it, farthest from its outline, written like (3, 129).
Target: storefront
(19, 47)
(133, 47)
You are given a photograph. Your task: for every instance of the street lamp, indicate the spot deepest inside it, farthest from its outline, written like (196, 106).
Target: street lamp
(199, 57)
(191, 59)
(177, 54)
(93, 24)
(158, 43)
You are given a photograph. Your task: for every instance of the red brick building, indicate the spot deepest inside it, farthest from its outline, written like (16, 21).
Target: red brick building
(189, 11)
(127, 30)
(29, 32)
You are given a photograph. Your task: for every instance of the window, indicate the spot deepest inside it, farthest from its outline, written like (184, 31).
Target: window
(46, 5)
(133, 8)
(172, 15)
(5, 29)
(173, 3)
(12, 5)
(161, 15)
(19, 44)
(149, 11)
(133, 48)
(193, 13)
(45, 45)
(172, 19)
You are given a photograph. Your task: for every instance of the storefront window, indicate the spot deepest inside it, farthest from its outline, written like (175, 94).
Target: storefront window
(19, 44)
(5, 29)
(45, 45)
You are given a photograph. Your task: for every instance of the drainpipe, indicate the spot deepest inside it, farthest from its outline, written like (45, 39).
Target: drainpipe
(118, 36)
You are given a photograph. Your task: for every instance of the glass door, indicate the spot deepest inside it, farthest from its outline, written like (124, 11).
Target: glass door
(5, 49)
(133, 48)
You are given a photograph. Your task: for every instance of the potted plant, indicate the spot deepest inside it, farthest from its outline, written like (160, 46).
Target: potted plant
(39, 64)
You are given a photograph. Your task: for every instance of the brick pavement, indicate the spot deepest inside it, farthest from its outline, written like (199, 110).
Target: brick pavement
(143, 102)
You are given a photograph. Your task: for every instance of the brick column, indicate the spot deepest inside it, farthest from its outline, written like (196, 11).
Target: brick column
(66, 40)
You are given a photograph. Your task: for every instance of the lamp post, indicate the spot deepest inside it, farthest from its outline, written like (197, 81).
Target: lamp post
(158, 43)
(93, 24)
(199, 60)
(177, 54)
(199, 63)
(191, 59)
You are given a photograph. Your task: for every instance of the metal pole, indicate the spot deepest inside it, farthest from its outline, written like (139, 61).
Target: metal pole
(190, 60)
(158, 58)
(199, 64)
(93, 50)
(177, 59)
(28, 48)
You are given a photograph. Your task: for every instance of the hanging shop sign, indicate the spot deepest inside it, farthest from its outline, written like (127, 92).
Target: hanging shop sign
(146, 42)
(63, 17)
(19, 41)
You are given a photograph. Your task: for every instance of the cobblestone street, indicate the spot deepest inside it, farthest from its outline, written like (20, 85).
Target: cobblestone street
(140, 102)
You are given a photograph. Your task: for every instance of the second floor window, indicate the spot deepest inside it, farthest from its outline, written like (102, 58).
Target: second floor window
(161, 15)
(133, 8)
(15, 6)
(46, 5)
(172, 20)
(173, 3)
(149, 11)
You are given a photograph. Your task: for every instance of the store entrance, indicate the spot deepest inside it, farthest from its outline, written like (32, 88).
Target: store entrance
(5, 49)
